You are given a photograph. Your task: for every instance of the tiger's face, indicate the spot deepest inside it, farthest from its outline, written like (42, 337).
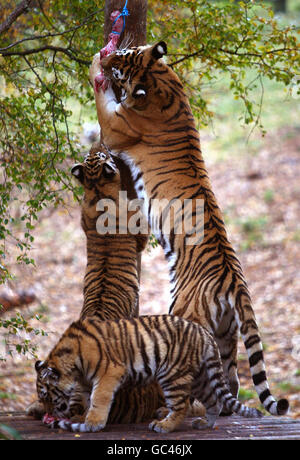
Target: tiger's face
(60, 396)
(51, 393)
(100, 178)
(97, 170)
(139, 73)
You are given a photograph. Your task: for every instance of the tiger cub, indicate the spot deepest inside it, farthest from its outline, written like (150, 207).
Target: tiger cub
(99, 356)
(152, 128)
(111, 285)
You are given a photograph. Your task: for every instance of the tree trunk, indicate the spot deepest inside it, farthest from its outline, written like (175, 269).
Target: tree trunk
(135, 34)
(279, 6)
(136, 23)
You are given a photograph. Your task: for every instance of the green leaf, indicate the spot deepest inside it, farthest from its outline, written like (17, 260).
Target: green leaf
(7, 432)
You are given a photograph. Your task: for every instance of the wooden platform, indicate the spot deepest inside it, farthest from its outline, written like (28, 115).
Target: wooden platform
(234, 427)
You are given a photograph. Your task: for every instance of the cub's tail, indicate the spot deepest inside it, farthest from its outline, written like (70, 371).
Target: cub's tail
(218, 385)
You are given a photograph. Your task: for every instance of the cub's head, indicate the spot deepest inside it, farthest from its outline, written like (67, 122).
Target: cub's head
(54, 390)
(143, 77)
(101, 180)
(97, 172)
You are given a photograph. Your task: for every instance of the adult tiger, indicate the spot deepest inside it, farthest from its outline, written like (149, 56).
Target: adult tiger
(153, 129)
(100, 355)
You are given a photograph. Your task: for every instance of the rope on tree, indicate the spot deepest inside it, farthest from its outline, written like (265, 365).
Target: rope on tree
(118, 26)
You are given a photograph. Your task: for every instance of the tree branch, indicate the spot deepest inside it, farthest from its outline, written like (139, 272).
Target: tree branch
(70, 53)
(51, 35)
(11, 18)
(234, 53)
(187, 56)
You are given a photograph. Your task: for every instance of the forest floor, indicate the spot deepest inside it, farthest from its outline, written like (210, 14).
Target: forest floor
(260, 198)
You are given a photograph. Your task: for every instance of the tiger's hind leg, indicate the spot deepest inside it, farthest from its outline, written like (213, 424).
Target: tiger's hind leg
(212, 406)
(177, 393)
(174, 415)
(195, 409)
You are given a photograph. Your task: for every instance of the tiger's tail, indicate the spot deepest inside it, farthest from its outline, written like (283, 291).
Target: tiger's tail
(254, 347)
(219, 385)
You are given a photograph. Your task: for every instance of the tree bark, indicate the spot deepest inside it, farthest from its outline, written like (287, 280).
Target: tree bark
(136, 23)
(279, 6)
(135, 34)
(20, 9)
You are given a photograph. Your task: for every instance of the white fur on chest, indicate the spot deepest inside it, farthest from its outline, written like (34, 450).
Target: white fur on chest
(142, 195)
(138, 180)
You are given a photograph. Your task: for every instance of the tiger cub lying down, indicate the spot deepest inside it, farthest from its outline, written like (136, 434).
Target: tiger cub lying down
(99, 356)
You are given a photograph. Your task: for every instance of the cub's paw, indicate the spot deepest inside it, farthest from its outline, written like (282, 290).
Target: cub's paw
(92, 427)
(95, 68)
(36, 410)
(203, 423)
(76, 427)
(93, 423)
(162, 412)
(159, 426)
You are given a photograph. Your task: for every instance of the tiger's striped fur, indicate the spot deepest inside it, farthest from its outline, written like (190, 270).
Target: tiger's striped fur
(101, 355)
(111, 285)
(153, 129)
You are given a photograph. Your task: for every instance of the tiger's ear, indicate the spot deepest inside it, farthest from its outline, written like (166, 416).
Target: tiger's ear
(159, 50)
(139, 91)
(77, 171)
(109, 170)
(39, 365)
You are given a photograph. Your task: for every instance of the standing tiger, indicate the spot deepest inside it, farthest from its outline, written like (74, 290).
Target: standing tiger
(99, 356)
(153, 130)
(111, 285)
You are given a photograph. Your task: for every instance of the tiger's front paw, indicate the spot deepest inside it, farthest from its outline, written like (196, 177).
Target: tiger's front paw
(95, 68)
(160, 426)
(93, 422)
(204, 423)
(162, 413)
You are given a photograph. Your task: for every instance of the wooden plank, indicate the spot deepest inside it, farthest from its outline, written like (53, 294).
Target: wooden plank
(233, 428)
